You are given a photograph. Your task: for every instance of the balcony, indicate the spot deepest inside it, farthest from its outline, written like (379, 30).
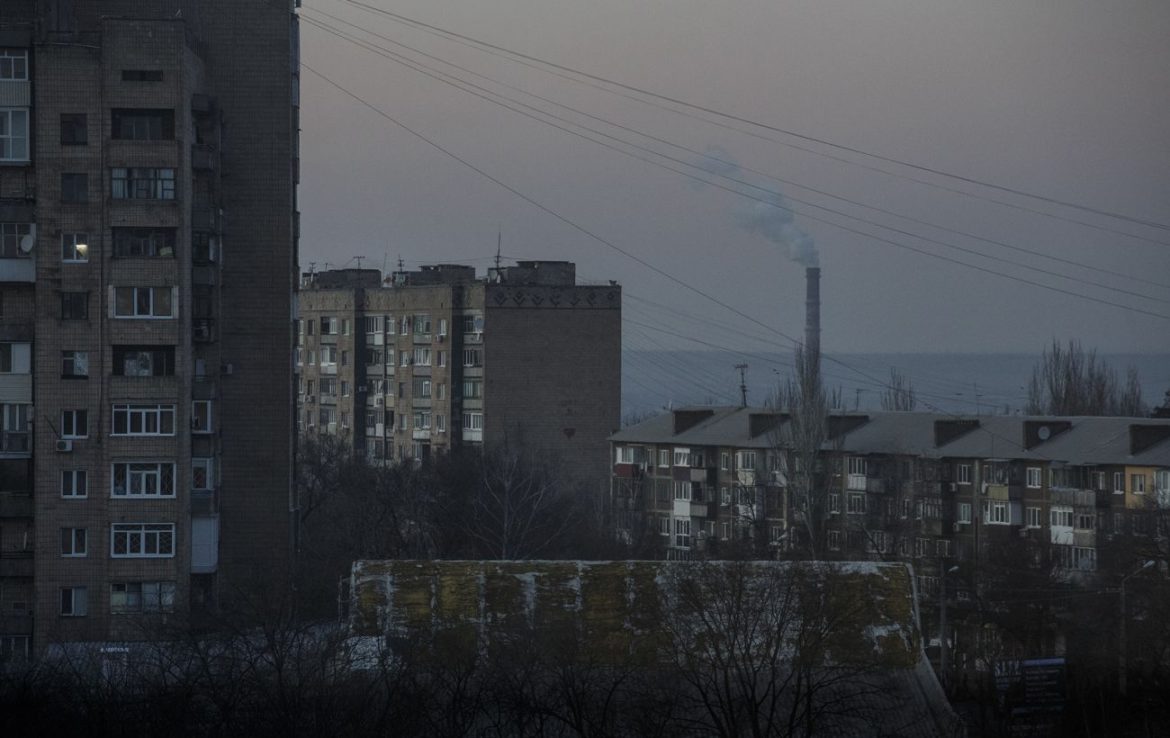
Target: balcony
(16, 505)
(18, 270)
(15, 445)
(689, 509)
(16, 564)
(856, 482)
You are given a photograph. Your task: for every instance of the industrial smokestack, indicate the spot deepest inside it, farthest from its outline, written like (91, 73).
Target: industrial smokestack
(812, 312)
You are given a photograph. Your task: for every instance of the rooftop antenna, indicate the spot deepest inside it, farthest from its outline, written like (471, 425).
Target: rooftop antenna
(358, 259)
(401, 263)
(499, 241)
(742, 384)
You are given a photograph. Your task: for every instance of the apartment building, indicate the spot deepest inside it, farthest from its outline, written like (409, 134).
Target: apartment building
(147, 267)
(433, 359)
(1064, 493)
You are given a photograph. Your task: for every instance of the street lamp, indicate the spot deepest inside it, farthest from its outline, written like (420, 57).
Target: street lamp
(1122, 653)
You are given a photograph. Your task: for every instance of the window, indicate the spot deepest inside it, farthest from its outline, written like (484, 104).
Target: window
(344, 388)
(15, 358)
(834, 503)
(682, 457)
(1060, 516)
(73, 542)
(201, 420)
(422, 357)
(724, 496)
(74, 602)
(15, 435)
(135, 124)
(1033, 517)
(745, 460)
(143, 302)
(964, 473)
(1034, 477)
(329, 386)
(14, 647)
(142, 183)
(74, 305)
(834, 540)
(74, 483)
(142, 479)
(328, 417)
(472, 421)
(441, 359)
(422, 420)
(664, 526)
(422, 388)
(74, 129)
(328, 325)
(964, 515)
(725, 461)
(857, 465)
(472, 389)
(663, 457)
(1086, 521)
(144, 361)
(943, 548)
(472, 357)
(74, 364)
(440, 423)
(74, 187)
(74, 248)
(131, 243)
(1118, 483)
(344, 358)
(373, 357)
(422, 325)
(440, 391)
(855, 502)
(11, 235)
(144, 420)
(442, 326)
(74, 424)
(682, 490)
(682, 532)
(13, 134)
(202, 473)
(999, 514)
(1137, 484)
(142, 540)
(126, 597)
(14, 64)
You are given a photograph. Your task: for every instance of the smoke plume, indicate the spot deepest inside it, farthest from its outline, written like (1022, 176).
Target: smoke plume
(774, 221)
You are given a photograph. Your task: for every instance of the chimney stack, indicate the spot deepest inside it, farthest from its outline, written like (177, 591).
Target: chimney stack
(812, 311)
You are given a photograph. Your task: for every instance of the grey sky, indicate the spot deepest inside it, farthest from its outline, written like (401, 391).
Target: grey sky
(1066, 99)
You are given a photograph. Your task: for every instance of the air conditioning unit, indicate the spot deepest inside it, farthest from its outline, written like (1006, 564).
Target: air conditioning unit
(64, 446)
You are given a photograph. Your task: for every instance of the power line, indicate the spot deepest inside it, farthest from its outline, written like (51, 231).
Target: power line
(826, 221)
(812, 139)
(446, 78)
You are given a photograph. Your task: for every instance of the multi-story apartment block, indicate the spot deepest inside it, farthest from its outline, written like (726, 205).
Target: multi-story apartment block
(934, 490)
(147, 266)
(438, 358)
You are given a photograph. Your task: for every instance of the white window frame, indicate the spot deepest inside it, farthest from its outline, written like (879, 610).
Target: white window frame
(203, 466)
(152, 295)
(14, 65)
(14, 134)
(1118, 483)
(74, 248)
(472, 388)
(1137, 484)
(664, 457)
(75, 364)
(207, 414)
(142, 420)
(70, 420)
(143, 479)
(963, 474)
(855, 503)
(1034, 477)
(137, 597)
(1032, 517)
(964, 513)
(77, 605)
(472, 357)
(422, 356)
(834, 503)
(74, 543)
(74, 484)
(147, 538)
(471, 421)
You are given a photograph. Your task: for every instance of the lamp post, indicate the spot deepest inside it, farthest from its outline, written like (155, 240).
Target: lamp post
(1122, 653)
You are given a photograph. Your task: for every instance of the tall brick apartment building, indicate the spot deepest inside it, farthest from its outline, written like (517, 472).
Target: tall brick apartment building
(147, 267)
(438, 358)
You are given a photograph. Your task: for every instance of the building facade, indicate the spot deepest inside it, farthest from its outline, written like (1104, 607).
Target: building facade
(435, 359)
(148, 221)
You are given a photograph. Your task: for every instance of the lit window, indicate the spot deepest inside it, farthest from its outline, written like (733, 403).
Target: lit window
(74, 248)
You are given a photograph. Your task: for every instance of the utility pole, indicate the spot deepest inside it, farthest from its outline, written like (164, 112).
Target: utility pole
(742, 384)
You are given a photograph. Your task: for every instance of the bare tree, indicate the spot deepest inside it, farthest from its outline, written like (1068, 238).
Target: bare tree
(1068, 380)
(803, 435)
(899, 393)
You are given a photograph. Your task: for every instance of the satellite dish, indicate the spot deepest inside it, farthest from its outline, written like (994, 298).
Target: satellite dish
(27, 242)
(1044, 433)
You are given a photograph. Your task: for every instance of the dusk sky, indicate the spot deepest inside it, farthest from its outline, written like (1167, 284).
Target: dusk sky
(1067, 100)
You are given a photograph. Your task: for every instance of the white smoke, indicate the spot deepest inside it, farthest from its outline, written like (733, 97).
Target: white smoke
(772, 219)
